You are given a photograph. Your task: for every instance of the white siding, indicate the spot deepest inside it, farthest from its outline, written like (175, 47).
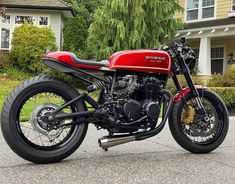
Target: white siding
(62, 27)
(55, 21)
(56, 24)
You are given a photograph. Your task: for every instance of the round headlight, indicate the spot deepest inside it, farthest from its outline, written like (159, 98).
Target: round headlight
(191, 60)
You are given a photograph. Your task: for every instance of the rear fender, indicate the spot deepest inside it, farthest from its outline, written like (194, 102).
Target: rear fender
(65, 68)
(52, 63)
(184, 92)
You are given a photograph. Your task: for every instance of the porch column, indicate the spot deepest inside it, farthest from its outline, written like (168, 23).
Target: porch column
(204, 64)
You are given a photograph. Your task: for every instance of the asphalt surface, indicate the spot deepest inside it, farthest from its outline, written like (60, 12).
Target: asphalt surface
(156, 160)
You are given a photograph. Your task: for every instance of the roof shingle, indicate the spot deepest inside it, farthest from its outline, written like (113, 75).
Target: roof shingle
(47, 3)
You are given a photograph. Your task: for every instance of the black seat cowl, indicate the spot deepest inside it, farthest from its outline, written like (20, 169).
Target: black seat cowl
(104, 63)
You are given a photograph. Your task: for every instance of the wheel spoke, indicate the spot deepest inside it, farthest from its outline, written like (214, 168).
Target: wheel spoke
(48, 99)
(195, 132)
(27, 127)
(25, 114)
(31, 127)
(34, 102)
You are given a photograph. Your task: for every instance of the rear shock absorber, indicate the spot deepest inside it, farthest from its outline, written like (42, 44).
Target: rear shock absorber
(99, 85)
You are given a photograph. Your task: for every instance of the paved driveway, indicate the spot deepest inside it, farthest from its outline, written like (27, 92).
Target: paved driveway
(157, 160)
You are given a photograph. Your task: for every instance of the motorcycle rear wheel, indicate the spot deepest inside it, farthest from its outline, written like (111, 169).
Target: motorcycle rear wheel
(26, 135)
(200, 137)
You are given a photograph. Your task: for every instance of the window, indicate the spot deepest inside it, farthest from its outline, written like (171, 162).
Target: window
(192, 9)
(22, 19)
(6, 19)
(5, 38)
(9, 21)
(5, 24)
(200, 9)
(43, 21)
(217, 60)
(208, 8)
(233, 6)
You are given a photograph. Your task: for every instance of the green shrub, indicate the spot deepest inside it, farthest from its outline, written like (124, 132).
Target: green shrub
(75, 35)
(227, 94)
(16, 74)
(29, 44)
(171, 86)
(227, 79)
(5, 61)
(71, 80)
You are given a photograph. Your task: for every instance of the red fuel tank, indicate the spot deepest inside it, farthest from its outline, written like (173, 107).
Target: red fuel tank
(153, 61)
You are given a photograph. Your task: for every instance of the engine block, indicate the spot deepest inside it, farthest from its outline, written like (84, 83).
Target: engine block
(135, 101)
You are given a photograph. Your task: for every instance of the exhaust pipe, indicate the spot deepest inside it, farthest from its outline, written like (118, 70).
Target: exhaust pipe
(108, 142)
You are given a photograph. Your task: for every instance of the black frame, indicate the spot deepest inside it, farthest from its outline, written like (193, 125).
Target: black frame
(55, 116)
(177, 57)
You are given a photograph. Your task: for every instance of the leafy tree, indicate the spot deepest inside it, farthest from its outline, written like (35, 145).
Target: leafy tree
(29, 44)
(123, 24)
(85, 8)
(75, 35)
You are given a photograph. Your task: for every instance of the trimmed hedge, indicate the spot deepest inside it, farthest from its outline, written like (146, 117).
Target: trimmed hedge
(227, 79)
(227, 94)
(171, 85)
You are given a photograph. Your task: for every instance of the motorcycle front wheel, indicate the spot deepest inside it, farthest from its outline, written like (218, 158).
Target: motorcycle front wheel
(30, 137)
(193, 133)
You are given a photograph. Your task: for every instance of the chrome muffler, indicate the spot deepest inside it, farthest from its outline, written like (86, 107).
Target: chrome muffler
(108, 142)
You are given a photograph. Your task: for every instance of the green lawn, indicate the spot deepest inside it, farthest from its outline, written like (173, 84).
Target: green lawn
(5, 87)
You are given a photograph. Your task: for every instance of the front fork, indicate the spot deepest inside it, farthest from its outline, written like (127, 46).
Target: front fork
(193, 90)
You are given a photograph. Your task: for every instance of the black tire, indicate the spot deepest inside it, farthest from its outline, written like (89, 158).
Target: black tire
(184, 140)
(13, 135)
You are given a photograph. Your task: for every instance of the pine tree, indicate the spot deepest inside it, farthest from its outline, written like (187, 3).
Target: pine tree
(84, 8)
(131, 24)
(76, 29)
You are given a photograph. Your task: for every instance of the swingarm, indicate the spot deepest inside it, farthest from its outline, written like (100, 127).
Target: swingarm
(57, 115)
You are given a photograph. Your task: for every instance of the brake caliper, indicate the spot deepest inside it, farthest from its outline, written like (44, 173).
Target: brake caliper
(188, 114)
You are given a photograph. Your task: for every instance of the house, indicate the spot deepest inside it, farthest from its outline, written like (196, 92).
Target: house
(41, 13)
(210, 30)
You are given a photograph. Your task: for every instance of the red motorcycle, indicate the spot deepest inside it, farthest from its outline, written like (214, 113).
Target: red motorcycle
(45, 120)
